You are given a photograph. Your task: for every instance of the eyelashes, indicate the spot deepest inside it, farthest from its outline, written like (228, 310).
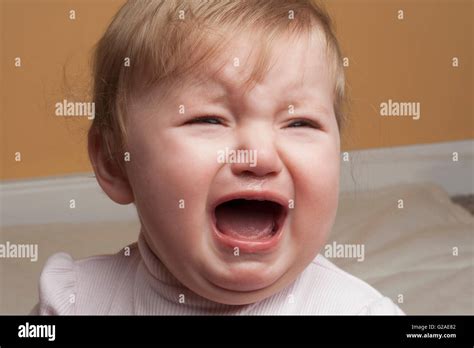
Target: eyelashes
(205, 120)
(304, 123)
(214, 120)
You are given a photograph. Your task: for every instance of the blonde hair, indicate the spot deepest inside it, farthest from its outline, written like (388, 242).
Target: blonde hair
(165, 40)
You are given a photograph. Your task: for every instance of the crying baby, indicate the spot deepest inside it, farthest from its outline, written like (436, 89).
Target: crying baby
(176, 84)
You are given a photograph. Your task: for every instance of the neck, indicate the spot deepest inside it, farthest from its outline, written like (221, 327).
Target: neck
(166, 285)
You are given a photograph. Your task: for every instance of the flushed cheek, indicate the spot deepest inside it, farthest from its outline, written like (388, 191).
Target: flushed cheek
(170, 180)
(175, 165)
(315, 174)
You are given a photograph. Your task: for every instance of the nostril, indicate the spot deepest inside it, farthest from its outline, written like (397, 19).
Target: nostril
(247, 174)
(258, 163)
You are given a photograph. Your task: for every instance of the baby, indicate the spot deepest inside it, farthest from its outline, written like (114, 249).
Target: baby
(221, 122)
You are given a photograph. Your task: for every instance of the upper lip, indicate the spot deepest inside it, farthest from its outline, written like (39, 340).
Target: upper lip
(253, 195)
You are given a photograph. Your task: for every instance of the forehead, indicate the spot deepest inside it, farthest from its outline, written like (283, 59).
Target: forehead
(298, 70)
(295, 64)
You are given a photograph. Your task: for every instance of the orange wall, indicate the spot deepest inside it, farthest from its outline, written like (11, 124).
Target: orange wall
(403, 60)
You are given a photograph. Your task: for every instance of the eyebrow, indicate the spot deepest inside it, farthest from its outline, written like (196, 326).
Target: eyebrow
(299, 101)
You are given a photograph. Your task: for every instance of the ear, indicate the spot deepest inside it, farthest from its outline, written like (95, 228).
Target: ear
(107, 172)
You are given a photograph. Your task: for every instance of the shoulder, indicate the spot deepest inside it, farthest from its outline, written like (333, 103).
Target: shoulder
(343, 293)
(67, 286)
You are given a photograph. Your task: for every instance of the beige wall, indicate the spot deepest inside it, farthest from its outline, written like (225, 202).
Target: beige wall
(403, 60)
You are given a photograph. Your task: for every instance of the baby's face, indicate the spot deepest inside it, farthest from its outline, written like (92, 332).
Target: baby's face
(232, 232)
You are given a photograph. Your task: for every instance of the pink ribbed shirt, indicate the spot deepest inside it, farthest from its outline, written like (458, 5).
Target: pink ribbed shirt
(140, 284)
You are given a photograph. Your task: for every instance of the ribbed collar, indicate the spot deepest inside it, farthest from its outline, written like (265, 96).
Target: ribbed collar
(163, 285)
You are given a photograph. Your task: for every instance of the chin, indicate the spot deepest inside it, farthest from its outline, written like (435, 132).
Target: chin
(243, 278)
(240, 297)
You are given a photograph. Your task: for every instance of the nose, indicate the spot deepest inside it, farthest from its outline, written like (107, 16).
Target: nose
(257, 146)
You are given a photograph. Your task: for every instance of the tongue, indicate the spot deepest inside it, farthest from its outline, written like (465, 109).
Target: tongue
(246, 219)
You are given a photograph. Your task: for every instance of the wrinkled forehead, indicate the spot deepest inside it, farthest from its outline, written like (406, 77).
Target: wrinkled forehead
(288, 63)
(295, 60)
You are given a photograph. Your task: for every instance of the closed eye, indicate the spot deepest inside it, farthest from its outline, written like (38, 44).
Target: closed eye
(205, 119)
(213, 120)
(304, 124)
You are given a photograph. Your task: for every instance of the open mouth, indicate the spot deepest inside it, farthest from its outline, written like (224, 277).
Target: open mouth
(248, 219)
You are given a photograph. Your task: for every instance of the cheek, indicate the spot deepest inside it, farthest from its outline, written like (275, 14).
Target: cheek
(170, 176)
(173, 166)
(314, 168)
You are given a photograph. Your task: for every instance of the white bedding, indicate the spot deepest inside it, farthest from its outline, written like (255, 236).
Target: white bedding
(410, 251)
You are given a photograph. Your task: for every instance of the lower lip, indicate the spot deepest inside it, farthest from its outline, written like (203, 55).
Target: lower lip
(248, 246)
